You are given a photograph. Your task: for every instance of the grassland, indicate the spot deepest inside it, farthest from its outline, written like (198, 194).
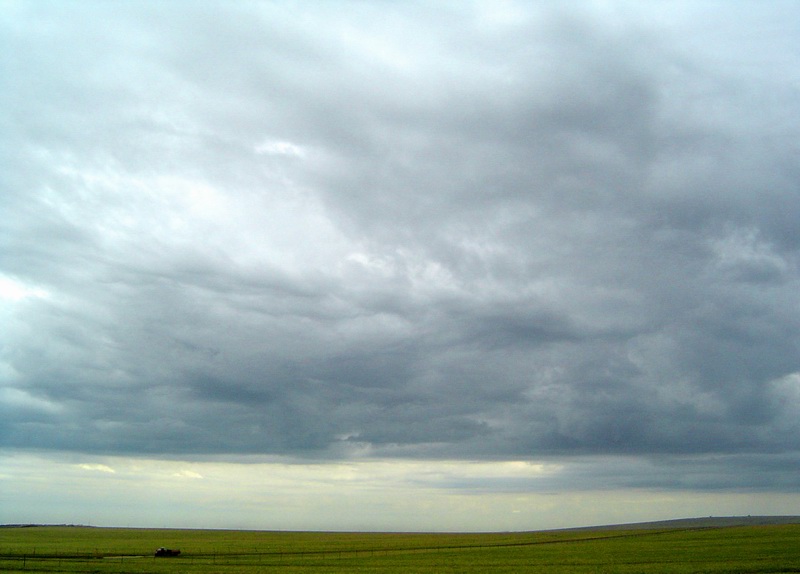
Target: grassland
(754, 549)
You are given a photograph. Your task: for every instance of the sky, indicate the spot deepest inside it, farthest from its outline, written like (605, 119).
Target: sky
(367, 265)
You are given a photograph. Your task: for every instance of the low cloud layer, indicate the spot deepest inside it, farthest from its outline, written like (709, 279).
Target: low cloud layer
(399, 495)
(452, 231)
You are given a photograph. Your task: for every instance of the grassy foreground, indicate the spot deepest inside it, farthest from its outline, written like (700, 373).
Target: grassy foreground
(115, 550)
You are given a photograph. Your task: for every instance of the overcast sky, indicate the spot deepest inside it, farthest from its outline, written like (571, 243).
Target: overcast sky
(446, 261)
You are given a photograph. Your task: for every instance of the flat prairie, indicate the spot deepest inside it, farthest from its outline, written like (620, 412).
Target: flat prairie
(672, 547)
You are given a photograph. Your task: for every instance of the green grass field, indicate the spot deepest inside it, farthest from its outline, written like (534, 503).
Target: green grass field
(774, 548)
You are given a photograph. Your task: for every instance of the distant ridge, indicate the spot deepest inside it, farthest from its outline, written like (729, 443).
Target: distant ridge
(701, 522)
(677, 524)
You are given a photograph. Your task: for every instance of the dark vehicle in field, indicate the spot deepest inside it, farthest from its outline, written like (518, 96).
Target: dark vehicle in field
(167, 552)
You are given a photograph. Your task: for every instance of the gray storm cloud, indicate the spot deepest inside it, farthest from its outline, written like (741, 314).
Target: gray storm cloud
(412, 231)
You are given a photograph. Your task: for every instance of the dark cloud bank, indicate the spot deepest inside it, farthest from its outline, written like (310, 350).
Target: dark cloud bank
(338, 230)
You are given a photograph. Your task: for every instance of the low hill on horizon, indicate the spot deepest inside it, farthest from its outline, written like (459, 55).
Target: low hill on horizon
(699, 522)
